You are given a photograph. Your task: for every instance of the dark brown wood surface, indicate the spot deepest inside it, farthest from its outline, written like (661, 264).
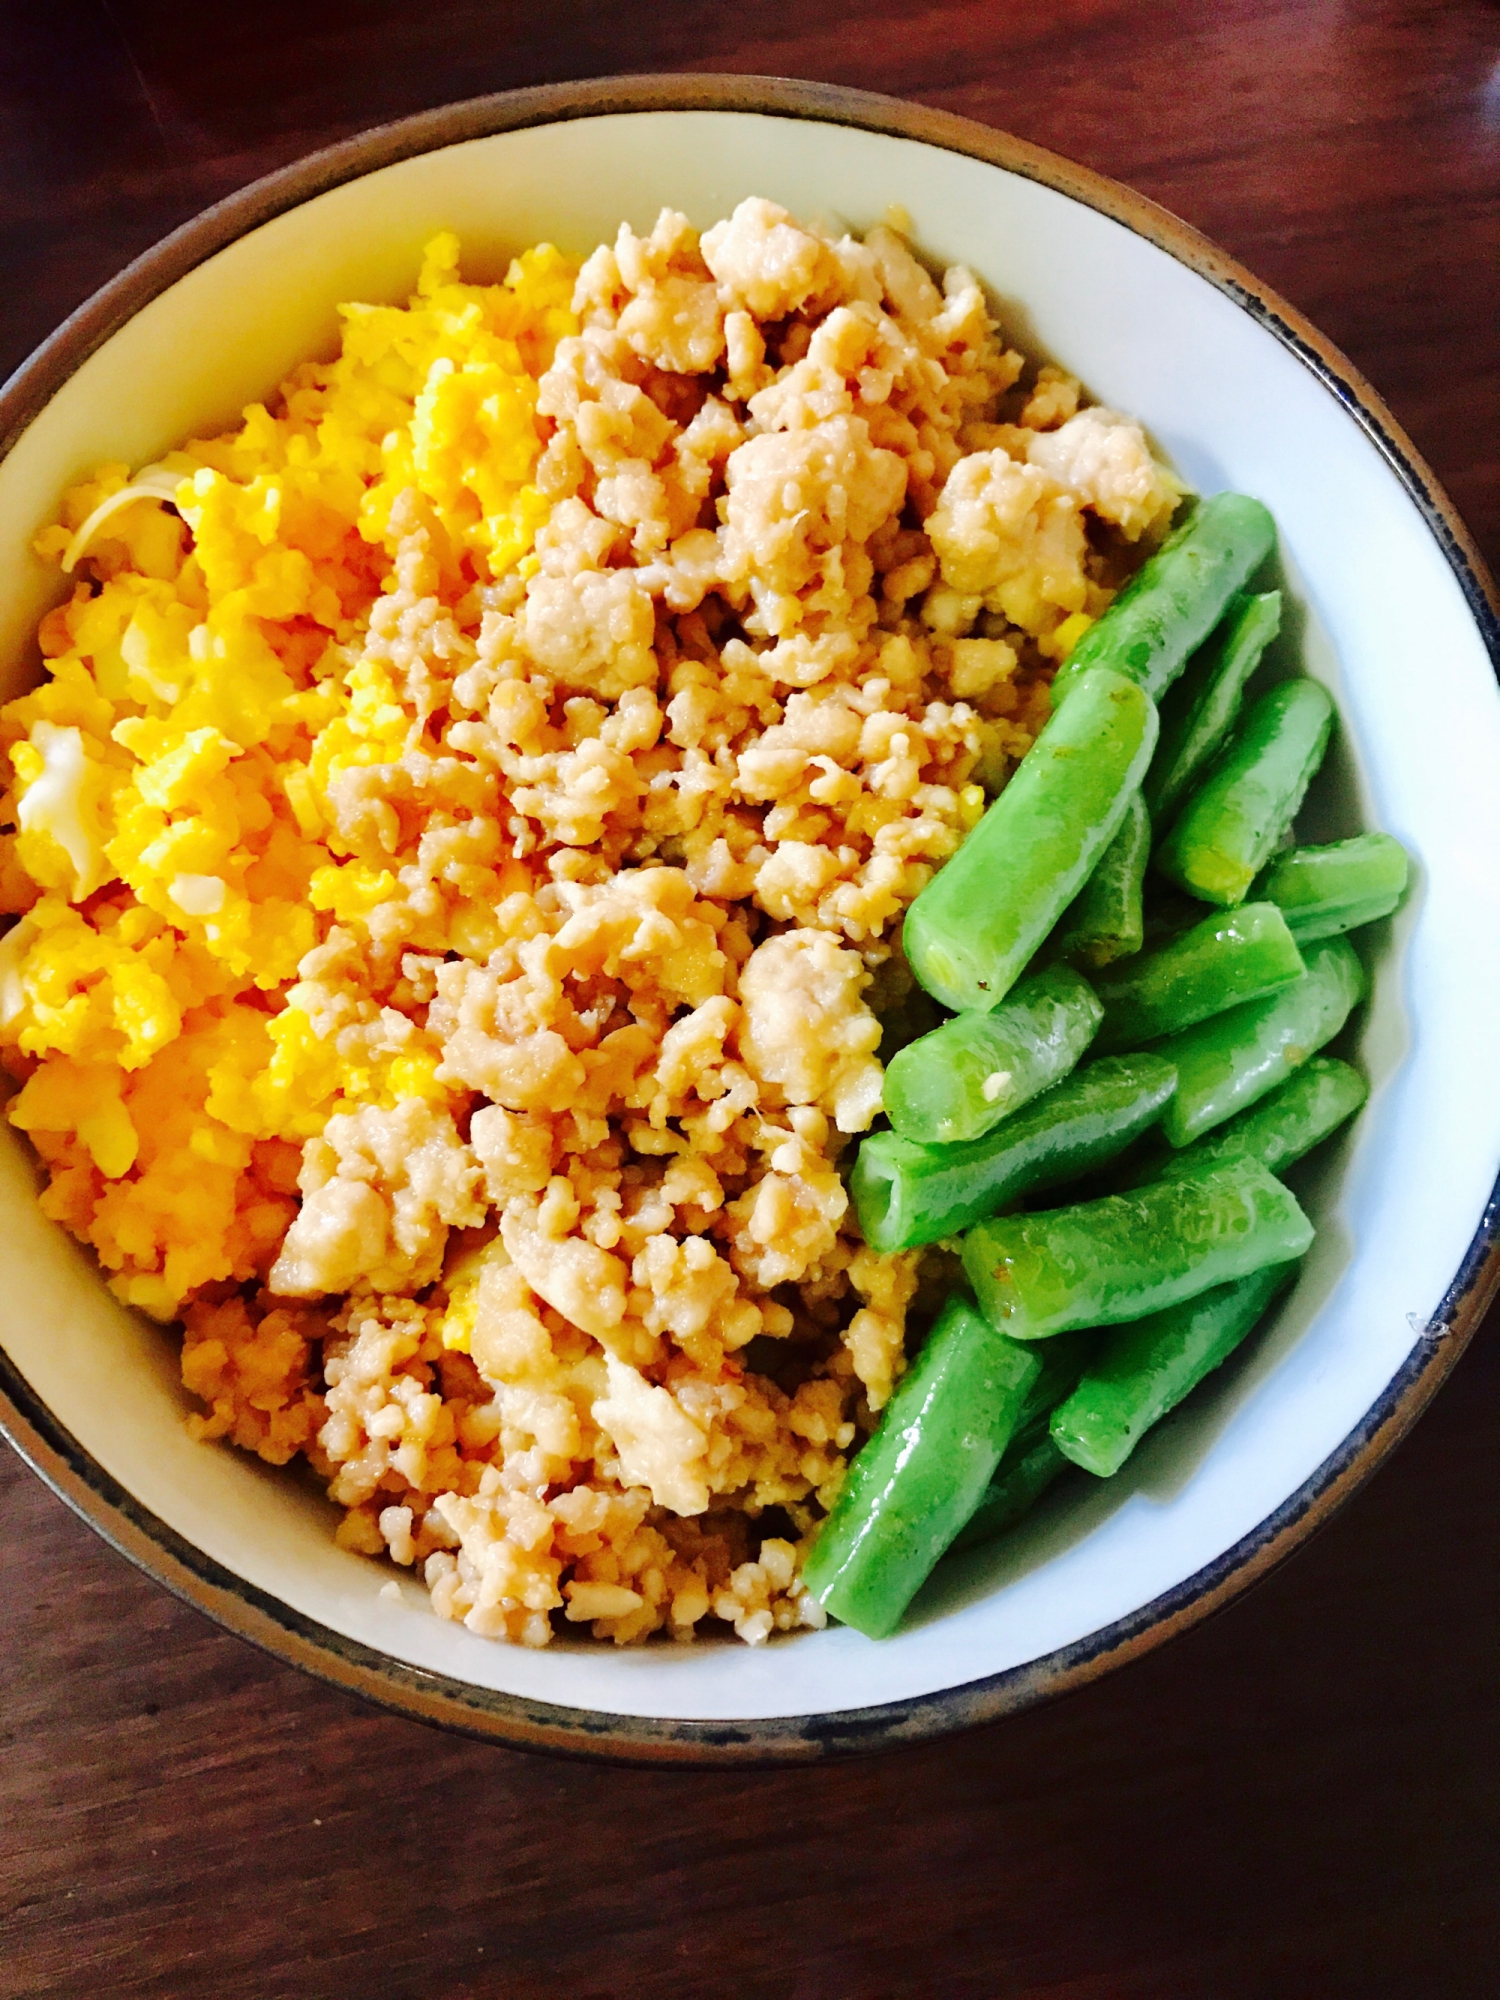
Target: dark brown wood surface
(1302, 1797)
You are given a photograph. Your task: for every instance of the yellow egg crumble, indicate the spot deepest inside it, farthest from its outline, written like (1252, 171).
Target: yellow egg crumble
(458, 853)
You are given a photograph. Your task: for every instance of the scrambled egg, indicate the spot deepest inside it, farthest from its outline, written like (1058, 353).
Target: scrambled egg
(171, 859)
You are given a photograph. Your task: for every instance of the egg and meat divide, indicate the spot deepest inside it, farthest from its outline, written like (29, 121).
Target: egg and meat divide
(457, 855)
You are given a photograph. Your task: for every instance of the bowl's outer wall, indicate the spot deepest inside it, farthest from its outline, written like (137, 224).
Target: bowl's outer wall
(1239, 392)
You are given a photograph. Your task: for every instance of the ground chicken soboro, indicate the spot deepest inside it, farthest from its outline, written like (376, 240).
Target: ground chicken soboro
(459, 858)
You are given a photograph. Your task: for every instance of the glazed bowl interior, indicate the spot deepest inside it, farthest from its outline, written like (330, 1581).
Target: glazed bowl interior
(1378, 613)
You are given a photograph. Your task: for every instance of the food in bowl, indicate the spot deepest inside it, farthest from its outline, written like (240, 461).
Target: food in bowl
(459, 860)
(1086, 1323)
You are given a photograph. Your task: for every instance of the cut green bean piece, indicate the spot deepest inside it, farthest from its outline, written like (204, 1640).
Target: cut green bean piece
(1322, 891)
(920, 1476)
(1230, 827)
(971, 932)
(1064, 1361)
(1227, 959)
(1024, 1474)
(1175, 598)
(1145, 1369)
(1105, 921)
(1127, 1255)
(977, 1068)
(905, 1194)
(1199, 712)
(1323, 1095)
(1169, 912)
(1226, 1064)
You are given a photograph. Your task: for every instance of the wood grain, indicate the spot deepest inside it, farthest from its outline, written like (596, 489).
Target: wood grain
(1297, 1798)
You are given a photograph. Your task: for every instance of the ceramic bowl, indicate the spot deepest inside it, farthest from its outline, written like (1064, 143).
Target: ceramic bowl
(1389, 607)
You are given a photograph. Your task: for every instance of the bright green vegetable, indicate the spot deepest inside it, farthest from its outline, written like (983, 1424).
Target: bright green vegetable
(1104, 921)
(920, 1476)
(1175, 598)
(1222, 962)
(1232, 1061)
(1324, 890)
(1277, 1131)
(1169, 912)
(1198, 714)
(905, 1194)
(1064, 1360)
(972, 930)
(1028, 1468)
(1127, 1255)
(1230, 827)
(977, 1068)
(1145, 1369)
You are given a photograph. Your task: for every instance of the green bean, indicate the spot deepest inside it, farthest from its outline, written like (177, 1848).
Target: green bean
(974, 1070)
(1229, 828)
(1145, 1369)
(1168, 913)
(1322, 891)
(1198, 714)
(1063, 1362)
(1104, 921)
(1324, 1094)
(1175, 598)
(920, 1476)
(905, 1194)
(972, 930)
(1028, 1468)
(1127, 1255)
(1235, 1059)
(1223, 961)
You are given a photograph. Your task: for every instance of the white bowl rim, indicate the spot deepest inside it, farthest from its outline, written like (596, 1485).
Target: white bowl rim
(137, 1533)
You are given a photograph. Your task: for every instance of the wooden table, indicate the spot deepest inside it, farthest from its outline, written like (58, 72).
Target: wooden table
(1299, 1798)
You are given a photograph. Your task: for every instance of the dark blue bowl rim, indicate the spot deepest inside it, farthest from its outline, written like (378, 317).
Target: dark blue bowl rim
(373, 1676)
